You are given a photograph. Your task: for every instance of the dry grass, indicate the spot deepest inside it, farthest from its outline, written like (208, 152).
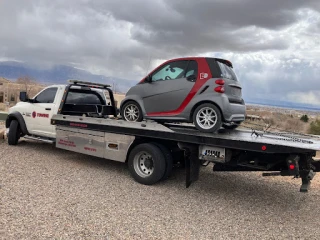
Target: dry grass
(2, 107)
(278, 121)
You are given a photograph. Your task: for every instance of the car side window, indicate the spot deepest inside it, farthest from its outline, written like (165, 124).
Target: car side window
(170, 71)
(47, 96)
(192, 69)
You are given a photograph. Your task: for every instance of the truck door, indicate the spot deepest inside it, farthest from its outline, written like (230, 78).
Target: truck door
(42, 110)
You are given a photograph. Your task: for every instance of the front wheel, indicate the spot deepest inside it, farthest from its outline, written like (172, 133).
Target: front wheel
(147, 163)
(14, 133)
(131, 112)
(207, 118)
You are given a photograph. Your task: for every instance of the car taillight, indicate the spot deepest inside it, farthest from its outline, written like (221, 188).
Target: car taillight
(219, 89)
(219, 81)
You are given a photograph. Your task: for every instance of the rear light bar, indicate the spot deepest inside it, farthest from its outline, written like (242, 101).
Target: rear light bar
(293, 165)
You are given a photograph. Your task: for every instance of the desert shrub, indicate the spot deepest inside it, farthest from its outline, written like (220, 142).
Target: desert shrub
(293, 125)
(270, 121)
(2, 107)
(315, 127)
(304, 118)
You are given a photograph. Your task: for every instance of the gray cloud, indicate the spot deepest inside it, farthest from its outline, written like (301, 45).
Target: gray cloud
(117, 38)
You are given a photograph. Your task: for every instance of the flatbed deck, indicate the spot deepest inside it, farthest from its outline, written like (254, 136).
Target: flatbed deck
(235, 139)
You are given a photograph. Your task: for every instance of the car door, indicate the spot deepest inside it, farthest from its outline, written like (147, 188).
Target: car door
(42, 110)
(169, 86)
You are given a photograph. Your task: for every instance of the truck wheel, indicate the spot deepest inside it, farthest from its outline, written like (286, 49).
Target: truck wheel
(147, 163)
(207, 118)
(14, 133)
(169, 160)
(131, 111)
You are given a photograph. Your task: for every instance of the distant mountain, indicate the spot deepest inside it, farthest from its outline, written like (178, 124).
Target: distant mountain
(284, 104)
(59, 74)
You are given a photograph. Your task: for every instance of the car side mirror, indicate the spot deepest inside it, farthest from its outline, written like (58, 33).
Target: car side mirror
(23, 97)
(148, 79)
(192, 78)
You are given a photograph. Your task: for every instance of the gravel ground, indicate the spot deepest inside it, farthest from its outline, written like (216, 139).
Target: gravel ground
(49, 193)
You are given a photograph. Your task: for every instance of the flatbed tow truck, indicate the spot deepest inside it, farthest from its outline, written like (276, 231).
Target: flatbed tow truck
(151, 148)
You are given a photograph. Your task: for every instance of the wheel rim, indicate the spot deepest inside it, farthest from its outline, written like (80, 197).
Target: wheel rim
(131, 113)
(143, 164)
(206, 118)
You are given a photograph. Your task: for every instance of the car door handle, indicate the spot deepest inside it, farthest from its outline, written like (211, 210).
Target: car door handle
(48, 109)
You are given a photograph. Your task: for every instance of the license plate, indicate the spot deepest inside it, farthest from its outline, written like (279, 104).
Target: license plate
(209, 153)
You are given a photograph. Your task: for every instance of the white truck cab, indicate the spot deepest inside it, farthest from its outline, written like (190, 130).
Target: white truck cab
(33, 116)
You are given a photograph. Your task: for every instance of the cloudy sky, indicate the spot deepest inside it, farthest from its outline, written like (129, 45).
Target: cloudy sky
(274, 45)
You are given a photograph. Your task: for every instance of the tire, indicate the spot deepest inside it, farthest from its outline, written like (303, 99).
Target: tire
(169, 160)
(140, 173)
(214, 110)
(14, 133)
(134, 105)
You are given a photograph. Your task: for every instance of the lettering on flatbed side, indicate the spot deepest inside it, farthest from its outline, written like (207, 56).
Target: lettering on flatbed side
(90, 149)
(66, 143)
(79, 125)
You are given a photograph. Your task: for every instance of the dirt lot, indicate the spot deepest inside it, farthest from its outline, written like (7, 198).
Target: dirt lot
(50, 193)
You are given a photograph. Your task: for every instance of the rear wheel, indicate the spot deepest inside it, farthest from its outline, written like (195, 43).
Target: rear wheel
(14, 133)
(169, 160)
(147, 163)
(131, 111)
(207, 118)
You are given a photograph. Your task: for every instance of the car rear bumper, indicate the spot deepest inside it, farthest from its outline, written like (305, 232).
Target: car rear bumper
(234, 112)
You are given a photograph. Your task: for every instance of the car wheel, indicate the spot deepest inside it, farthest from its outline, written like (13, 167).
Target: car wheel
(14, 133)
(147, 163)
(131, 112)
(207, 118)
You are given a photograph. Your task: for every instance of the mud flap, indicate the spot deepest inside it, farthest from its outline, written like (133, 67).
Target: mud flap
(306, 177)
(192, 163)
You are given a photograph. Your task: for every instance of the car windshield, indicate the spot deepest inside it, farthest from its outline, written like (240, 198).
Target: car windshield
(227, 72)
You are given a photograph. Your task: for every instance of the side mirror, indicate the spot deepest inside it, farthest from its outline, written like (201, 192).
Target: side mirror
(23, 97)
(192, 78)
(148, 79)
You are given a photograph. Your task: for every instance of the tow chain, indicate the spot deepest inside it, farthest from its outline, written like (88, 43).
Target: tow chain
(283, 135)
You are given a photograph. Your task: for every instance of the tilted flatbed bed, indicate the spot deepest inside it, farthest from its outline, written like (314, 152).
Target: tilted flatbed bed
(236, 139)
